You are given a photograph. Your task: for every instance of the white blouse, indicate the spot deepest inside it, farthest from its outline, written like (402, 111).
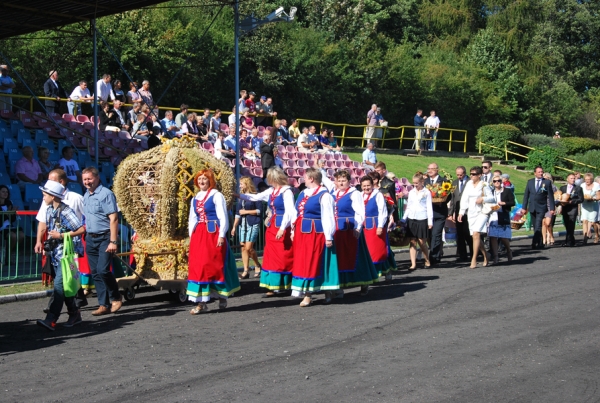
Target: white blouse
(418, 206)
(470, 195)
(590, 192)
(220, 206)
(288, 202)
(382, 213)
(327, 210)
(357, 205)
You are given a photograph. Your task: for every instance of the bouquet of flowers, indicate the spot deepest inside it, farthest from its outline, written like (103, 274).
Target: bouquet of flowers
(440, 191)
(397, 237)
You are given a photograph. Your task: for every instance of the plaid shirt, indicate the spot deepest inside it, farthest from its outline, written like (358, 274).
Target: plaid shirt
(68, 222)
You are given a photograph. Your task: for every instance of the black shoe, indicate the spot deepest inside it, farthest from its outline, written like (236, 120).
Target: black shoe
(46, 310)
(82, 303)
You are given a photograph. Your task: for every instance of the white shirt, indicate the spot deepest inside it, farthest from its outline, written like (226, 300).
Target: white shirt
(369, 155)
(104, 90)
(382, 213)
(220, 207)
(418, 206)
(327, 210)
(78, 93)
(290, 215)
(70, 167)
(303, 139)
(470, 195)
(71, 199)
(432, 121)
(232, 120)
(218, 147)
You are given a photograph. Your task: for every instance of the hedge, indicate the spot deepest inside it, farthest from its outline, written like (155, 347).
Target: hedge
(497, 135)
(577, 145)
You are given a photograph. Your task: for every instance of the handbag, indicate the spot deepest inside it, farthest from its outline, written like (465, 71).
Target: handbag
(489, 208)
(70, 268)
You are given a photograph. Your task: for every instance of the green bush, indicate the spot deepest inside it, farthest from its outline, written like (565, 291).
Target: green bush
(496, 136)
(547, 157)
(592, 158)
(577, 145)
(536, 140)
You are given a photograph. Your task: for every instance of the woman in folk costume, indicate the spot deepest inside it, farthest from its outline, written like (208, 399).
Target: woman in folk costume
(212, 270)
(355, 266)
(375, 227)
(276, 273)
(315, 263)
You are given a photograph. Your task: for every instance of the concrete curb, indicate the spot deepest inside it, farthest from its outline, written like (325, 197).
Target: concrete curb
(25, 297)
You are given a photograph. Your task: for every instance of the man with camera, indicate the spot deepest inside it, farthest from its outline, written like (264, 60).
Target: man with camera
(102, 227)
(60, 220)
(75, 202)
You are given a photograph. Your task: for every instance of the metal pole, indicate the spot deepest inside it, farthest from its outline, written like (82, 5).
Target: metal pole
(236, 13)
(95, 88)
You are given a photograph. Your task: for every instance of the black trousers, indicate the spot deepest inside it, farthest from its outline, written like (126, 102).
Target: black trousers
(537, 218)
(569, 221)
(463, 239)
(435, 239)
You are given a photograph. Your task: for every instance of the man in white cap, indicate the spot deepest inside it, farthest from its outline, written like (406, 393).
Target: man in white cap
(60, 220)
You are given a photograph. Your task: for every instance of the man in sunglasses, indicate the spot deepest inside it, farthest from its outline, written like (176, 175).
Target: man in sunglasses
(440, 214)
(463, 236)
(486, 176)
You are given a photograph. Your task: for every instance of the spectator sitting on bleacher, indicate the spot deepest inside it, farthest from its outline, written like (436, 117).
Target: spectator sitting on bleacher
(202, 130)
(190, 127)
(230, 142)
(220, 150)
(294, 130)
(246, 146)
(369, 158)
(215, 122)
(247, 121)
(133, 113)
(120, 116)
(182, 116)
(285, 132)
(69, 165)
(304, 145)
(28, 169)
(169, 126)
(329, 142)
(206, 119)
(45, 165)
(108, 119)
(104, 89)
(8, 220)
(140, 129)
(6, 86)
(255, 142)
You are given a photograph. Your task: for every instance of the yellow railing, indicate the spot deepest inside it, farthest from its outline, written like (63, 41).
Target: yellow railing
(359, 133)
(508, 152)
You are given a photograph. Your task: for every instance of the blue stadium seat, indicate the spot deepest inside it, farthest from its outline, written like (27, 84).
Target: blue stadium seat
(31, 143)
(3, 167)
(75, 187)
(61, 144)
(107, 168)
(40, 135)
(32, 191)
(82, 158)
(14, 154)
(15, 193)
(18, 204)
(9, 143)
(3, 124)
(54, 156)
(22, 135)
(49, 144)
(28, 224)
(11, 164)
(103, 180)
(4, 133)
(4, 178)
(15, 125)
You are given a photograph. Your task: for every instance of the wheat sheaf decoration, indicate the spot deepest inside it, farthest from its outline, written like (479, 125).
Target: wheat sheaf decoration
(154, 189)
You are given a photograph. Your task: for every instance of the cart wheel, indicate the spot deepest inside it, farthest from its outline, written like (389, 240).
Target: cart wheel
(182, 296)
(129, 294)
(171, 291)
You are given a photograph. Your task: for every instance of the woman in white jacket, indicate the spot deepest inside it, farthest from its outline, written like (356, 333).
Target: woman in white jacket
(476, 193)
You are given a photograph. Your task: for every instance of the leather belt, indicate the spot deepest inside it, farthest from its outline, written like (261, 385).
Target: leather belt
(98, 235)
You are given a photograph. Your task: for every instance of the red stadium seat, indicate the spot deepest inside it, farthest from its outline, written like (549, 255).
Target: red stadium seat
(67, 117)
(82, 118)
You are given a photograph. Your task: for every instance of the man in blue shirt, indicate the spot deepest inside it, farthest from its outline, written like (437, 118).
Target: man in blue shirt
(256, 142)
(419, 122)
(102, 228)
(369, 158)
(169, 126)
(6, 86)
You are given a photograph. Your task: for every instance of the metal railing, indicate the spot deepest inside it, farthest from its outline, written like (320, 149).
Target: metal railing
(396, 137)
(508, 152)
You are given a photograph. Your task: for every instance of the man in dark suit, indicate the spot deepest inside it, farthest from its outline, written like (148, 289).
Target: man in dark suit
(440, 214)
(53, 89)
(267, 155)
(463, 236)
(388, 185)
(538, 200)
(570, 208)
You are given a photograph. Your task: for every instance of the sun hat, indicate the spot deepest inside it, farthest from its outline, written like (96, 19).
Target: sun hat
(54, 189)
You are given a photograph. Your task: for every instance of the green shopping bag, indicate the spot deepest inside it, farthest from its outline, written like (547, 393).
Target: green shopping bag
(70, 267)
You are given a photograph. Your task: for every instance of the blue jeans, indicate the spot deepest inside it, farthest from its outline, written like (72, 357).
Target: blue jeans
(59, 296)
(71, 106)
(432, 142)
(99, 261)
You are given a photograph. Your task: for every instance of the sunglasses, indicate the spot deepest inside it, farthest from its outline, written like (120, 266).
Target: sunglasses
(484, 167)
(474, 174)
(496, 181)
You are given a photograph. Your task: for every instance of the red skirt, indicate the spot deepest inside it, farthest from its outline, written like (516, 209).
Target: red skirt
(206, 260)
(347, 246)
(378, 245)
(308, 253)
(278, 255)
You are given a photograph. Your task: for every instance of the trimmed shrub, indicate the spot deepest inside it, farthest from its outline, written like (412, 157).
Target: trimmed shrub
(577, 145)
(592, 158)
(496, 136)
(547, 157)
(536, 140)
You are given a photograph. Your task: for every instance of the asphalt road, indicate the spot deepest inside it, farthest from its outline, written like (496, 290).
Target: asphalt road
(525, 332)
